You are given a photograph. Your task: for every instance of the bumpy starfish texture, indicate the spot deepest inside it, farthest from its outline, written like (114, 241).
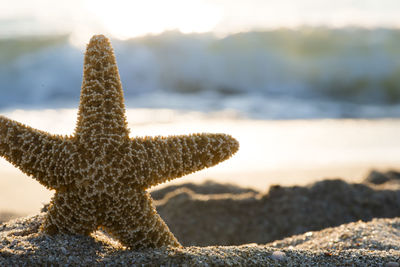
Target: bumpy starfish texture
(100, 175)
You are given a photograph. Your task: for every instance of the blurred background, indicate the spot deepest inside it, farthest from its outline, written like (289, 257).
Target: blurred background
(310, 88)
(261, 59)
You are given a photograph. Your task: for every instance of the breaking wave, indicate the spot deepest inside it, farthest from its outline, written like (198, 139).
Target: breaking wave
(304, 73)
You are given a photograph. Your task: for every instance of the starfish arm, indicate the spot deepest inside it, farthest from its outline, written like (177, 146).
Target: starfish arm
(34, 152)
(101, 109)
(70, 213)
(137, 225)
(166, 158)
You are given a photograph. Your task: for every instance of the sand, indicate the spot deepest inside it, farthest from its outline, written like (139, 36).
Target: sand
(375, 243)
(247, 217)
(327, 223)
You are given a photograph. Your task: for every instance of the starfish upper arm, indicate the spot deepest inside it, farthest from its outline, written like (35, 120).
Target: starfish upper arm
(34, 152)
(166, 158)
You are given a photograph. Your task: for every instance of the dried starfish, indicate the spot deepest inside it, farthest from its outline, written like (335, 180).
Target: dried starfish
(100, 175)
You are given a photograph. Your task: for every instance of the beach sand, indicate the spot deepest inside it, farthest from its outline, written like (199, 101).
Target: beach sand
(227, 225)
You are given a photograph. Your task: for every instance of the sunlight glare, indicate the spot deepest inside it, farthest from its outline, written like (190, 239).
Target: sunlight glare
(125, 19)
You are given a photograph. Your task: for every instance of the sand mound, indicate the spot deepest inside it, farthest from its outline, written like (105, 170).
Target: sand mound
(361, 244)
(207, 188)
(240, 218)
(215, 214)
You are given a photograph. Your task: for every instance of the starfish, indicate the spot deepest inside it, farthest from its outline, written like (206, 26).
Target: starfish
(100, 175)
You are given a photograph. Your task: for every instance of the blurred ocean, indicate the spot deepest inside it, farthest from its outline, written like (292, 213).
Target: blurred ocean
(277, 74)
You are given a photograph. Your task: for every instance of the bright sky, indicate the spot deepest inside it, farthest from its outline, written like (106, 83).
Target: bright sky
(129, 18)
